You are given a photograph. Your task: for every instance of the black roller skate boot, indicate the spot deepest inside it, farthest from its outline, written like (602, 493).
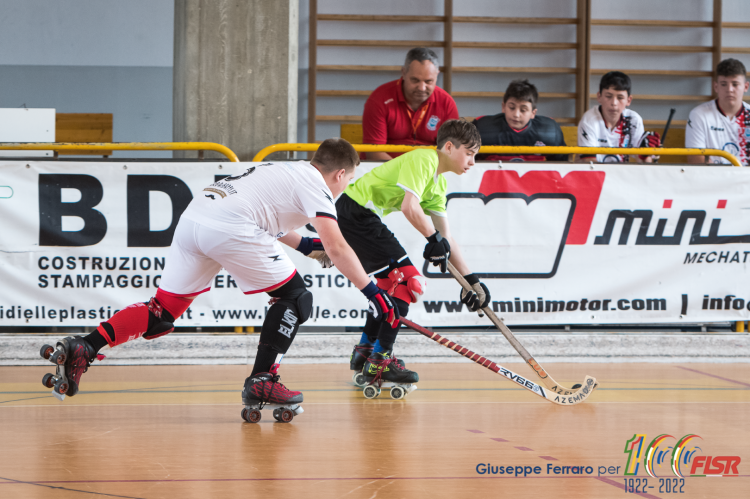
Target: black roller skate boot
(357, 361)
(383, 371)
(72, 356)
(263, 391)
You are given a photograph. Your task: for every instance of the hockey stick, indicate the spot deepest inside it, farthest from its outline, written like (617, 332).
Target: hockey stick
(666, 129)
(547, 380)
(568, 398)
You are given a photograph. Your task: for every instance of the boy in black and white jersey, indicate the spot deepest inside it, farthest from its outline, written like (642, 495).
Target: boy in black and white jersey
(723, 123)
(612, 123)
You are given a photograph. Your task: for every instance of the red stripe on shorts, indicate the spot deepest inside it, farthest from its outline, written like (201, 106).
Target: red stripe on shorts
(187, 295)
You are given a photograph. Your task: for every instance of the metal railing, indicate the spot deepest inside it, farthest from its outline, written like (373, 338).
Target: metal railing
(643, 151)
(120, 146)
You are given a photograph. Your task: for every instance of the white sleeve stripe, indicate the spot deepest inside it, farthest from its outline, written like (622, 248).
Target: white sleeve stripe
(409, 190)
(439, 213)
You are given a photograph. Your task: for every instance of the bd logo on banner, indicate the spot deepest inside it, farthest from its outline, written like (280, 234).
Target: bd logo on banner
(89, 225)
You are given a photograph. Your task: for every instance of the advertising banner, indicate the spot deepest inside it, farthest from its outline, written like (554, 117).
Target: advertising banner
(555, 244)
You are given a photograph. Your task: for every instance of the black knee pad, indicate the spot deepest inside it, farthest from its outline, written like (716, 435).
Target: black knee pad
(160, 321)
(293, 308)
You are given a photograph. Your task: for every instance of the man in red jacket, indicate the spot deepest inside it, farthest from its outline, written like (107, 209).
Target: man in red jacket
(409, 110)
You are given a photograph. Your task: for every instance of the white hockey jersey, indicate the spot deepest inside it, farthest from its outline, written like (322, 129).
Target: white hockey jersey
(275, 197)
(709, 128)
(593, 132)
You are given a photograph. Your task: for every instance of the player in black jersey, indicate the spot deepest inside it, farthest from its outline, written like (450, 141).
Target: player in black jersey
(518, 125)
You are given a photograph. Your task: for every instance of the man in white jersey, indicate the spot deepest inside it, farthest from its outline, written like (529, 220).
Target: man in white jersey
(723, 123)
(612, 124)
(237, 223)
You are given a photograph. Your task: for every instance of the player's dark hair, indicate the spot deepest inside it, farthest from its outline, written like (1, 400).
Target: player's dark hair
(460, 133)
(335, 154)
(731, 67)
(420, 54)
(615, 79)
(521, 90)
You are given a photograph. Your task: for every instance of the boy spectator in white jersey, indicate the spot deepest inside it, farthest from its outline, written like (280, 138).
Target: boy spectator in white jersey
(237, 223)
(723, 123)
(612, 124)
(519, 125)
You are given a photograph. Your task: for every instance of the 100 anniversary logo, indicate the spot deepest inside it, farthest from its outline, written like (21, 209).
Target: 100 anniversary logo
(679, 455)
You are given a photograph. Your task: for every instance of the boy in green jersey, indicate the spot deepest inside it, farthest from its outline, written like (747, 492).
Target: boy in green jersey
(412, 183)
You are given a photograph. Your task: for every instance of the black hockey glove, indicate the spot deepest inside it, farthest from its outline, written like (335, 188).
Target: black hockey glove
(382, 308)
(437, 251)
(313, 248)
(479, 297)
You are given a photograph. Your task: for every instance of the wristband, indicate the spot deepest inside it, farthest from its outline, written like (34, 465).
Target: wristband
(370, 290)
(305, 245)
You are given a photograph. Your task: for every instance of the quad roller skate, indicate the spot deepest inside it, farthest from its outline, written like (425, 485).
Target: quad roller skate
(357, 361)
(263, 391)
(383, 371)
(72, 356)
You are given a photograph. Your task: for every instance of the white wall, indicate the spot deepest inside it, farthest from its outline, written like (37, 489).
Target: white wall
(92, 56)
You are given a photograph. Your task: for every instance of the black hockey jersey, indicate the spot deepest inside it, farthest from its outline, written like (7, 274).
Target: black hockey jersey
(540, 131)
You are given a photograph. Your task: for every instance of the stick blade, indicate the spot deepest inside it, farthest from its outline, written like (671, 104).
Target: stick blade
(573, 397)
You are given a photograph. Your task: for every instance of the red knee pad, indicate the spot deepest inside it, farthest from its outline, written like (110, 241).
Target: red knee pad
(404, 283)
(174, 304)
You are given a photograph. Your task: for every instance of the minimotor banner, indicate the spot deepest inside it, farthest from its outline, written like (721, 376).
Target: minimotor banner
(555, 244)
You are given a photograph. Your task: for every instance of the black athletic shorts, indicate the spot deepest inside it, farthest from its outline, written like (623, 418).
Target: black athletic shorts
(376, 246)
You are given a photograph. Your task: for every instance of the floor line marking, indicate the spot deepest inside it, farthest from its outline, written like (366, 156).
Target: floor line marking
(44, 484)
(714, 376)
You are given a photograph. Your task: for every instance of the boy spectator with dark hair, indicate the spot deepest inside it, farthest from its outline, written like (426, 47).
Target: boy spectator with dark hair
(723, 123)
(612, 123)
(518, 125)
(409, 110)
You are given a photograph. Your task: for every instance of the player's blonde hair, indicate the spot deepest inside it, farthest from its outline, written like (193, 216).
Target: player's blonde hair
(335, 154)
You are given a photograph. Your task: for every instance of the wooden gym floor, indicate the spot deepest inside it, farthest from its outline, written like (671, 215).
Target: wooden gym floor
(175, 431)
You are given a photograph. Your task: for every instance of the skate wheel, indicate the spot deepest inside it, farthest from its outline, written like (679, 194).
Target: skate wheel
(58, 357)
(61, 387)
(48, 380)
(251, 415)
(370, 392)
(397, 393)
(46, 351)
(359, 379)
(277, 414)
(286, 416)
(576, 386)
